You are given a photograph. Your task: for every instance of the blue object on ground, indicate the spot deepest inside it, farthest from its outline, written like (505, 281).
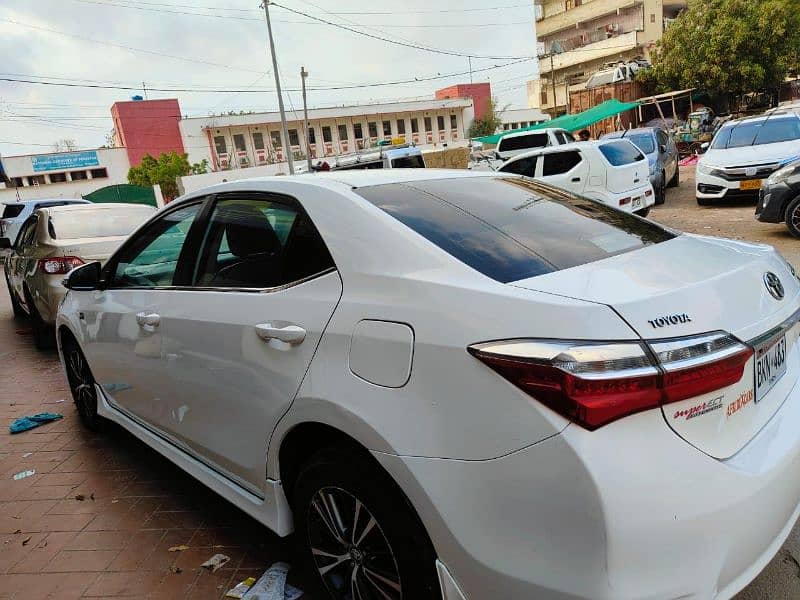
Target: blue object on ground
(26, 423)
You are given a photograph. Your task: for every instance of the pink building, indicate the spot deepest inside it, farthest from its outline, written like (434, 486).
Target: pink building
(480, 93)
(148, 127)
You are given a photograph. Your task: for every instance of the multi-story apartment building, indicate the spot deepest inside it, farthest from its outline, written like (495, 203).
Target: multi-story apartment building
(577, 37)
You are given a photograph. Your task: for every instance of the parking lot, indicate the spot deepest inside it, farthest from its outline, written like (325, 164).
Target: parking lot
(101, 512)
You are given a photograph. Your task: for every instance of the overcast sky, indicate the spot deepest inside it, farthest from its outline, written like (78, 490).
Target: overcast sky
(127, 42)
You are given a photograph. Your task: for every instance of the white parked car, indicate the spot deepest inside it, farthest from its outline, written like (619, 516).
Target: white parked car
(457, 385)
(14, 214)
(613, 171)
(514, 144)
(743, 154)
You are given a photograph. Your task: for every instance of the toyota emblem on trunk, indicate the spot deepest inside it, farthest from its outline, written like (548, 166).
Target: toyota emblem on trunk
(774, 285)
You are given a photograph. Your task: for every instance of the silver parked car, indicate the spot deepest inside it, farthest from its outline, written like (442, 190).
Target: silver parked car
(13, 214)
(662, 156)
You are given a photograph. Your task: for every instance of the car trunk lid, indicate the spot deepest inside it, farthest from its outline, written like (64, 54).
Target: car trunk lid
(88, 249)
(693, 285)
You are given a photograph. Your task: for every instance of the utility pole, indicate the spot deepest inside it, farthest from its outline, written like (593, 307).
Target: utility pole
(303, 75)
(470, 68)
(278, 89)
(553, 79)
(144, 89)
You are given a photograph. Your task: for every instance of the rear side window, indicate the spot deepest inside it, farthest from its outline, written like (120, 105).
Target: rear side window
(510, 228)
(621, 153)
(12, 210)
(523, 166)
(95, 223)
(408, 162)
(521, 142)
(556, 163)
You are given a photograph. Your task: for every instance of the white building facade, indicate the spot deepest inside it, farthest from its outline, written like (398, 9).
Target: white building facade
(517, 118)
(251, 140)
(63, 174)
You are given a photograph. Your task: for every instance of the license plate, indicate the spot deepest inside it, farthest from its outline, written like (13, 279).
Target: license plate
(636, 203)
(770, 365)
(750, 184)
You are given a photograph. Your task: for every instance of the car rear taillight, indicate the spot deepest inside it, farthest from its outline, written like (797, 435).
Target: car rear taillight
(648, 193)
(59, 265)
(624, 201)
(593, 384)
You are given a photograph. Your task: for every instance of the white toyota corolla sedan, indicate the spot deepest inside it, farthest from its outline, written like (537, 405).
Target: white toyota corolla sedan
(457, 385)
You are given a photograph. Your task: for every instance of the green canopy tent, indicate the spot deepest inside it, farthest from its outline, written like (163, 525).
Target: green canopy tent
(609, 108)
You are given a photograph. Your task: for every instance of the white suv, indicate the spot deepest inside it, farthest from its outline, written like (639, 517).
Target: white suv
(743, 154)
(615, 172)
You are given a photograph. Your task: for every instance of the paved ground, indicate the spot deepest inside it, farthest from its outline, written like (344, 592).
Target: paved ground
(136, 505)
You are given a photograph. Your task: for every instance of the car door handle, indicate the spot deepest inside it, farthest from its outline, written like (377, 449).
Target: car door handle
(145, 319)
(291, 334)
(576, 179)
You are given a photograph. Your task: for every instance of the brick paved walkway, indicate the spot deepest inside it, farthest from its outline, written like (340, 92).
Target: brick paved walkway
(136, 504)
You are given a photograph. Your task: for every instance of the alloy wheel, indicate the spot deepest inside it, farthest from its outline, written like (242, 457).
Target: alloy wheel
(795, 217)
(82, 383)
(350, 551)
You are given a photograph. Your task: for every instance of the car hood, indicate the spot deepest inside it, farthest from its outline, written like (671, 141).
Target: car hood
(751, 155)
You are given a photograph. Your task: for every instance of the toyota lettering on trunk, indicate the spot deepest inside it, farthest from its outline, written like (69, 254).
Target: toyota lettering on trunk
(669, 320)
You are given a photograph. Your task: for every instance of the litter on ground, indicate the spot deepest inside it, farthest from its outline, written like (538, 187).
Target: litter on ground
(24, 474)
(27, 423)
(216, 562)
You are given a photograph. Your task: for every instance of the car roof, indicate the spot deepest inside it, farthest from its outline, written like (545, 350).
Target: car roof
(39, 200)
(639, 130)
(89, 207)
(565, 147)
(788, 115)
(527, 131)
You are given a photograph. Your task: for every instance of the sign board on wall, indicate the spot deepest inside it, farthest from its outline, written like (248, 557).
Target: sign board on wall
(70, 160)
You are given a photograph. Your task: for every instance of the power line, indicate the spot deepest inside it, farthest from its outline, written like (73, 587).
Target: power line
(395, 42)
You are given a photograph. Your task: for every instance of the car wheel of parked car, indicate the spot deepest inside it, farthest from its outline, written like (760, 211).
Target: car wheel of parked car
(81, 384)
(15, 305)
(661, 191)
(704, 201)
(676, 179)
(43, 334)
(359, 532)
(793, 217)
(643, 213)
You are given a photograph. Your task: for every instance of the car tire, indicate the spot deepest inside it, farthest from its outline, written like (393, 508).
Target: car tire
(44, 337)
(15, 305)
(643, 213)
(661, 192)
(395, 546)
(81, 384)
(704, 201)
(793, 217)
(676, 179)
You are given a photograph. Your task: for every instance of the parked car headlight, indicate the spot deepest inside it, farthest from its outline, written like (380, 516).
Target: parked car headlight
(704, 169)
(782, 174)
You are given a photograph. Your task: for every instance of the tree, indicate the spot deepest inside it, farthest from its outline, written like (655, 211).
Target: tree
(65, 145)
(727, 48)
(490, 121)
(200, 168)
(163, 171)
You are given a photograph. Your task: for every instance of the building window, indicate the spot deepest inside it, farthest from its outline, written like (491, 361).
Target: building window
(238, 142)
(401, 126)
(36, 180)
(342, 133)
(312, 137)
(414, 125)
(506, 127)
(275, 136)
(219, 145)
(570, 4)
(58, 177)
(652, 17)
(428, 125)
(17, 181)
(453, 122)
(77, 175)
(358, 132)
(440, 122)
(373, 129)
(99, 173)
(258, 141)
(294, 139)
(543, 98)
(387, 128)
(326, 134)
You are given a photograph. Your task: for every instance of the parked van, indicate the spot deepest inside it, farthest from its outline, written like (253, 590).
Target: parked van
(513, 144)
(403, 156)
(615, 172)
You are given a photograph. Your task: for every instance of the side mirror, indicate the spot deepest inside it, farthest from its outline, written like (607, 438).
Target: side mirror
(497, 155)
(663, 148)
(704, 146)
(83, 278)
(5, 243)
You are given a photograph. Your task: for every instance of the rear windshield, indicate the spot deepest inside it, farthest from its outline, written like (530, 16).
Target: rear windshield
(95, 223)
(643, 141)
(12, 210)
(769, 131)
(408, 162)
(511, 228)
(621, 153)
(521, 142)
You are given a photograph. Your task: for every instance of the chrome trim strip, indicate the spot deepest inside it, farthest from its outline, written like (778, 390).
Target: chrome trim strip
(776, 331)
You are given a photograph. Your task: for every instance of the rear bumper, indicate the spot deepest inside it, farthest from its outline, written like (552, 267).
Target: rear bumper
(630, 511)
(613, 199)
(47, 292)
